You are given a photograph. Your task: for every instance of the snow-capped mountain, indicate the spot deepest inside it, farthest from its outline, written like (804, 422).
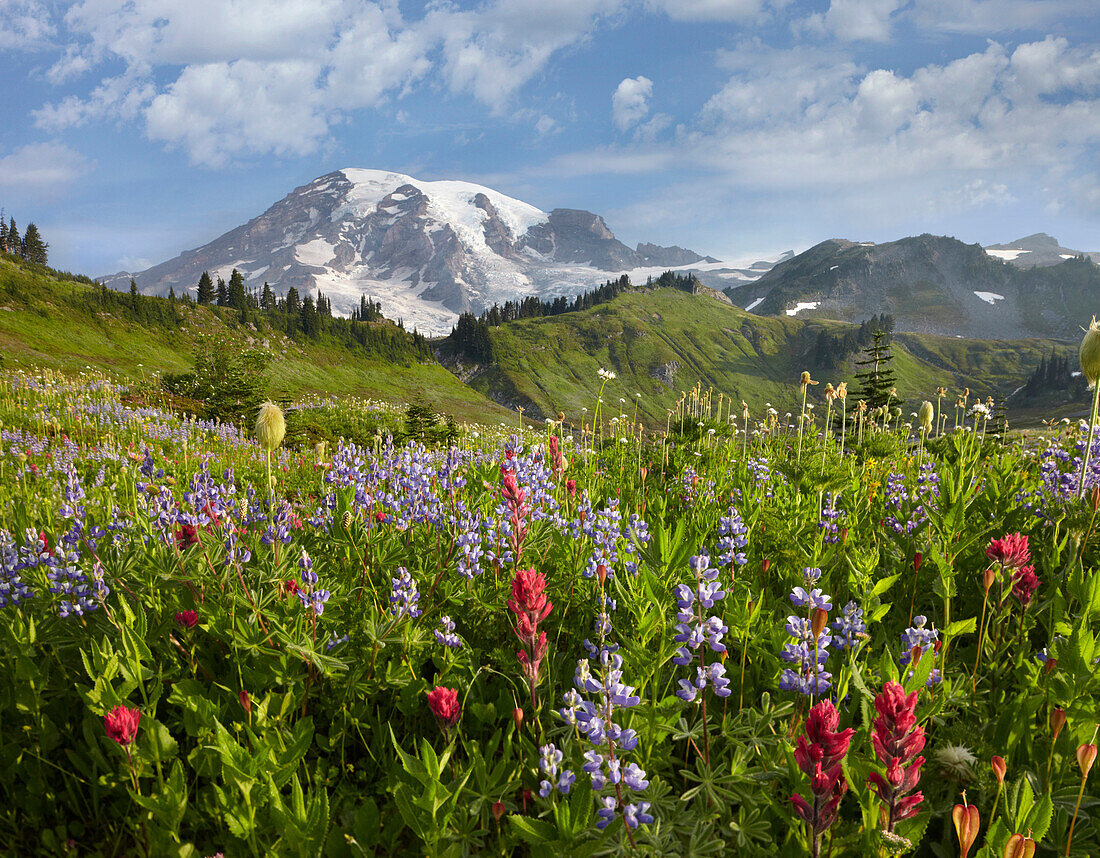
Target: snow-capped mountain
(1034, 250)
(426, 250)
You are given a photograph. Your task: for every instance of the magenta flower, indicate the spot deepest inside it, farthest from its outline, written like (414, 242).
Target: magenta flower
(121, 724)
(820, 757)
(1024, 584)
(444, 705)
(897, 739)
(1011, 550)
(187, 619)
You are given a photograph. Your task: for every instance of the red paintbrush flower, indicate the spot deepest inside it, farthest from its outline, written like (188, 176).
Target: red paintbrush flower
(1011, 550)
(897, 739)
(1024, 584)
(187, 619)
(819, 755)
(121, 724)
(444, 705)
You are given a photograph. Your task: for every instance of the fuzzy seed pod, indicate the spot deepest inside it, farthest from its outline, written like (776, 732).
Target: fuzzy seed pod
(925, 416)
(270, 426)
(1090, 352)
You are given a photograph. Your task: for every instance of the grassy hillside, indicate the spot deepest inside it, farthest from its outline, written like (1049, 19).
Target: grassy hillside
(551, 364)
(52, 323)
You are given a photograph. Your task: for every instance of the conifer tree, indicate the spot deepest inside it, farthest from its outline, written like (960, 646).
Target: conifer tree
(34, 248)
(293, 302)
(15, 243)
(223, 293)
(206, 289)
(267, 299)
(3, 233)
(235, 296)
(877, 380)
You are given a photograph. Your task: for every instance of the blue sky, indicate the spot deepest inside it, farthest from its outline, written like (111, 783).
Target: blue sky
(740, 128)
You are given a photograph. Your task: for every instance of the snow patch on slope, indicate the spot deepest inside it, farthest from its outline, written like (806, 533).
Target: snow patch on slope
(990, 298)
(1006, 255)
(802, 305)
(754, 305)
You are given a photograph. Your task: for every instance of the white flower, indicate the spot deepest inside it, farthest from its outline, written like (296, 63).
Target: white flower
(622, 401)
(955, 761)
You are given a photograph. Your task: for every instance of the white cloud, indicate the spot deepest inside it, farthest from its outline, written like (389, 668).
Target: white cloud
(709, 10)
(25, 25)
(42, 168)
(988, 17)
(226, 79)
(857, 20)
(630, 101)
(243, 107)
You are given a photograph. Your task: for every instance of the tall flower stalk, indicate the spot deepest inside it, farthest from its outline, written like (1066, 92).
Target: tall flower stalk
(819, 755)
(531, 607)
(898, 740)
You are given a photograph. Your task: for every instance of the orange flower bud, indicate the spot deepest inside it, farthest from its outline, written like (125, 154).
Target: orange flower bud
(1086, 756)
(1049, 665)
(765, 565)
(601, 573)
(988, 577)
(1057, 721)
(999, 769)
(817, 623)
(967, 826)
(1019, 846)
(517, 718)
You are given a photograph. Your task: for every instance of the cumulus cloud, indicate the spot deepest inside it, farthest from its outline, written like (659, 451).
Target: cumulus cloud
(987, 17)
(854, 20)
(44, 168)
(630, 101)
(709, 10)
(25, 25)
(222, 80)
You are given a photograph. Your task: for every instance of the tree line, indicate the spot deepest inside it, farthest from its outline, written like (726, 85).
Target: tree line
(30, 246)
(303, 316)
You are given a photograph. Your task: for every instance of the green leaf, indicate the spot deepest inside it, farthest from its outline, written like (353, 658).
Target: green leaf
(960, 627)
(533, 831)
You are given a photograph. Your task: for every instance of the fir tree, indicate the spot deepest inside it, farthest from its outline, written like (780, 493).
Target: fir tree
(234, 293)
(3, 233)
(877, 380)
(34, 248)
(223, 293)
(15, 243)
(205, 289)
(309, 317)
(267, 299)
(293, 302)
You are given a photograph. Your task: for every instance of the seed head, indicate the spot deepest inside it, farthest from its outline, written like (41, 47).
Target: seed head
(925, 415)
(1090, 352)
(270, 426)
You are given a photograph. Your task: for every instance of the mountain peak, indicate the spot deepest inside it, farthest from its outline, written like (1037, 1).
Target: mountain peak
(427, 249)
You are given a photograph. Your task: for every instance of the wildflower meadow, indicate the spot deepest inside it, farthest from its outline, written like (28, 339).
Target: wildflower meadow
(839, 633)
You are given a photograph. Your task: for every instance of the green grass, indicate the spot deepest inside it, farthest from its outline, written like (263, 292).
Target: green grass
(551, 364)
(43, 325)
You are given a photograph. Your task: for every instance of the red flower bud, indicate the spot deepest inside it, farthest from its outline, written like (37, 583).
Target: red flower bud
(917, 558)
(1057, 721)
(246, 702)
(498, 810)
(517, 718)
(999, 769)
(765, 565)
(1049, 665)
(444, 705)
(1086, 756)
(818, 621)
(121, 724)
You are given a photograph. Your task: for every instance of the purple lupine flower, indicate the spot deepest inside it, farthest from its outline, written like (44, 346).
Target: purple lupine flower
(636, 814)
(404, 595)
(805, 675)
(926, 638)
(559, 779)
(850, 628)
(693, 630)
(829, 523)
(733, 540)
(310, 596)
(445, 634)
(813, 599)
